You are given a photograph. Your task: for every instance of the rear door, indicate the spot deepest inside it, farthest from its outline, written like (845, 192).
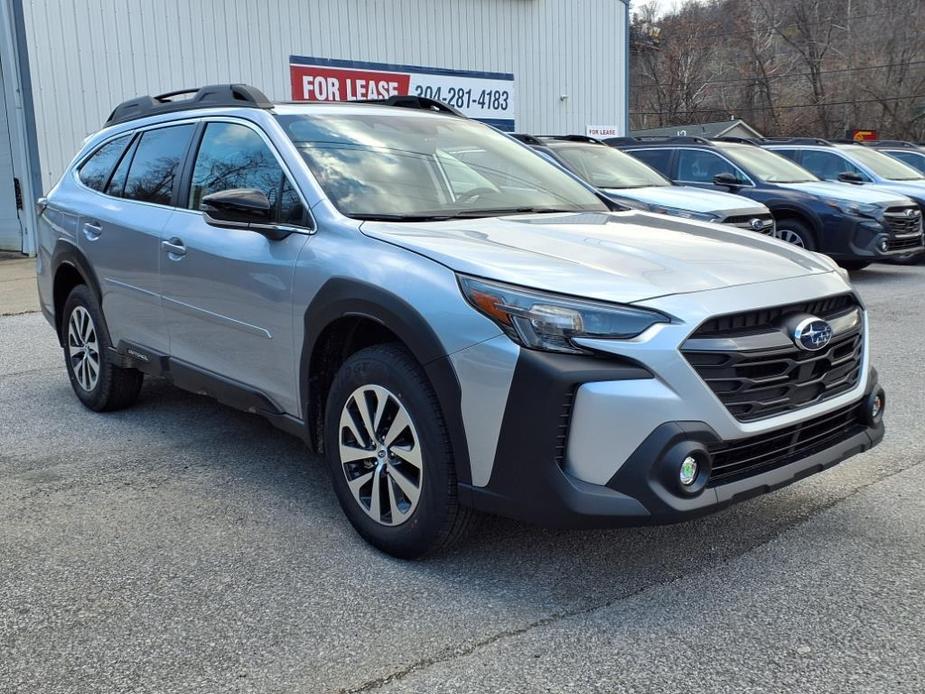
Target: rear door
(227, 293)
(132, 187)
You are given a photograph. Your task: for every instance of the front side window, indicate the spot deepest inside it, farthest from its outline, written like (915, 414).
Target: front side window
(95, 171)
(415, 165)
(235, 156)
(701, 166)
(828, 165)
(914, 159)
(156, 164)
(605, 167)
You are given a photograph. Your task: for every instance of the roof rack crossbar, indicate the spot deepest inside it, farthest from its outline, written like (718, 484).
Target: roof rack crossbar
(240, 95)
(573, 138)
(737, 139)
(528, 139)
(617, 141)
(796, 141)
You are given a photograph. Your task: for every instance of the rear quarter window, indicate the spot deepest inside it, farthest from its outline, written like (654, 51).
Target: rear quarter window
(658, 159)
(95, 171)
(156, 164)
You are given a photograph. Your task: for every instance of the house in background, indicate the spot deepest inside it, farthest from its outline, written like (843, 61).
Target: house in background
(724, 128)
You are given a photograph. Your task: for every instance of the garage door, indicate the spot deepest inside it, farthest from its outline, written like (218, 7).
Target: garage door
(10, 227)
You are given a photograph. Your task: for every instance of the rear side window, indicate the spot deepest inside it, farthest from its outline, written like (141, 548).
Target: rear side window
(234, 156)
(96, 170)
(156, 164)
(658, 159)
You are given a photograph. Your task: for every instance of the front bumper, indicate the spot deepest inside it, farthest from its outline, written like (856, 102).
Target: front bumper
(530, 482)
(869, 239)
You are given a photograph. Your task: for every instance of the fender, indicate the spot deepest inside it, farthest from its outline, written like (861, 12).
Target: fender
(788, 208)
(340, 297)
(67, 253)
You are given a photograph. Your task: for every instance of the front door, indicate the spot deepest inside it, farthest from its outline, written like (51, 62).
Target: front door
(227, 293)
(10, 225)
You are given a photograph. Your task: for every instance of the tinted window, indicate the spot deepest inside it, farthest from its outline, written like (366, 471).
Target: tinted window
(117, 183)
(658, 159)
(827, 165)
(700, 166)
(234, 156)
(95, 171)
(156, 164)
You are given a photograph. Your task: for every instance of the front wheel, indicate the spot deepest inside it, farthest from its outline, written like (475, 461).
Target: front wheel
(99, 384)
(795, 232)
(389, 454)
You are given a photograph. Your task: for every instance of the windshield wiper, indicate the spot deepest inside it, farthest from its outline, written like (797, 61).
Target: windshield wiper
(503, 211)
(376, 217)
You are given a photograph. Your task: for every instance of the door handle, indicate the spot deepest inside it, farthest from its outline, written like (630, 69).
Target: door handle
(92, 230)
(174, 247)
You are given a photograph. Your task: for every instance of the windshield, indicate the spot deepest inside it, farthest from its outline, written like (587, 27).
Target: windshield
(765, 165)
(605, 167)
(882, 165)
(411, 166)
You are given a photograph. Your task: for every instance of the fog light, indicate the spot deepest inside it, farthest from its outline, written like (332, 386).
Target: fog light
(874, 406)
(688, 473)
(884, 245)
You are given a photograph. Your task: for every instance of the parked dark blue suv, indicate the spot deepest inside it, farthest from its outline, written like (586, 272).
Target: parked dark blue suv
(851, 224)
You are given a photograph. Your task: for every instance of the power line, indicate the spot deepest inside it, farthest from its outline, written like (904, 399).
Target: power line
(788, 74)
(771, 108)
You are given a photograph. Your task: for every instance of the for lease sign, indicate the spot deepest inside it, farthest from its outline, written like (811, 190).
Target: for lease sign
(487, 96)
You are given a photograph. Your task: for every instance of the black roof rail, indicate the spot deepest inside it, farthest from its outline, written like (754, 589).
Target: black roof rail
(419, 102)
(573, 138)
(674, 139)
(737, 139)
(795, 141)
(531, 140)
(202, 97)
(617, 141)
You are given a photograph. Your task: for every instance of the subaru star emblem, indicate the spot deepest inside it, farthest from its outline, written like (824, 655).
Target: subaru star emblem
(757, 224)
(911, 212)
(812, 334)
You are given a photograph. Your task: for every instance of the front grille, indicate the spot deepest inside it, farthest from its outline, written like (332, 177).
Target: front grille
(745, 222)
(902, 224)
(734, 460)
(756, 383)
(763, 320)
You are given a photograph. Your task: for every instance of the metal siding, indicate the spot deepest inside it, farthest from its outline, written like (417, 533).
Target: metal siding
(88, 55)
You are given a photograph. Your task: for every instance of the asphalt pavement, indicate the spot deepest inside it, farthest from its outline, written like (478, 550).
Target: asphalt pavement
(181, 546)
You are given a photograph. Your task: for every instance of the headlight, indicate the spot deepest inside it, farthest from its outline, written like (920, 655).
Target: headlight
(856, 209)
(550, 321)
(687, 214)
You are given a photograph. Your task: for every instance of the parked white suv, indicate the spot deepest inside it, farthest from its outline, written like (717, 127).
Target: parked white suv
(453, 321)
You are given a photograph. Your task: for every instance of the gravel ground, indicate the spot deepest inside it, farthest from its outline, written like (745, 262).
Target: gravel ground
(181, 546)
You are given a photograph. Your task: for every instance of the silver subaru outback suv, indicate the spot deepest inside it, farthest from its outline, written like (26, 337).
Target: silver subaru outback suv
(454, 322)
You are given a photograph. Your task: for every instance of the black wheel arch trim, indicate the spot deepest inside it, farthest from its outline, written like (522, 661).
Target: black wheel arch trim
(67, 253)
(343, 297)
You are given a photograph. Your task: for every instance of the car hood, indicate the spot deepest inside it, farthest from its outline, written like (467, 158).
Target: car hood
(848, 192)
(620, 256)
(911, 189)
(693, 199)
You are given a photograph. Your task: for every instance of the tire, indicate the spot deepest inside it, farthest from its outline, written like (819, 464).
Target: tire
(796, 232)
(98, 384)
(854, 265)
(411, 461)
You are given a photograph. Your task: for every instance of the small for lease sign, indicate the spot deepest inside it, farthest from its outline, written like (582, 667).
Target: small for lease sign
(602, 131)
(486, 96)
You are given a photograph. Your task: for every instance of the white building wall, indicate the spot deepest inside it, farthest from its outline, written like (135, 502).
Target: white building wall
(88, 55)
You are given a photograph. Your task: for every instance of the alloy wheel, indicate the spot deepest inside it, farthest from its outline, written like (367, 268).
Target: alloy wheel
(380, 455)
(83, 348)
(791, 237)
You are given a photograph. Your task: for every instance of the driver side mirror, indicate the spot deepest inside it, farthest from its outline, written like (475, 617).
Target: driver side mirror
(242, 208)
(727, 180)
(850, 177)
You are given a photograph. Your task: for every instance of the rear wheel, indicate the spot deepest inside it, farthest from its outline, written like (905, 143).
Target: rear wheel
(98, 384)
(389, 454)
(795, 232)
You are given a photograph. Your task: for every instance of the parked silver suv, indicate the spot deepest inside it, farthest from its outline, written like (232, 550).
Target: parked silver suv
(455, 322)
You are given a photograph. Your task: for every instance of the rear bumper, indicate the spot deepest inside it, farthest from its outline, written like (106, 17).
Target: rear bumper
(535, 487)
